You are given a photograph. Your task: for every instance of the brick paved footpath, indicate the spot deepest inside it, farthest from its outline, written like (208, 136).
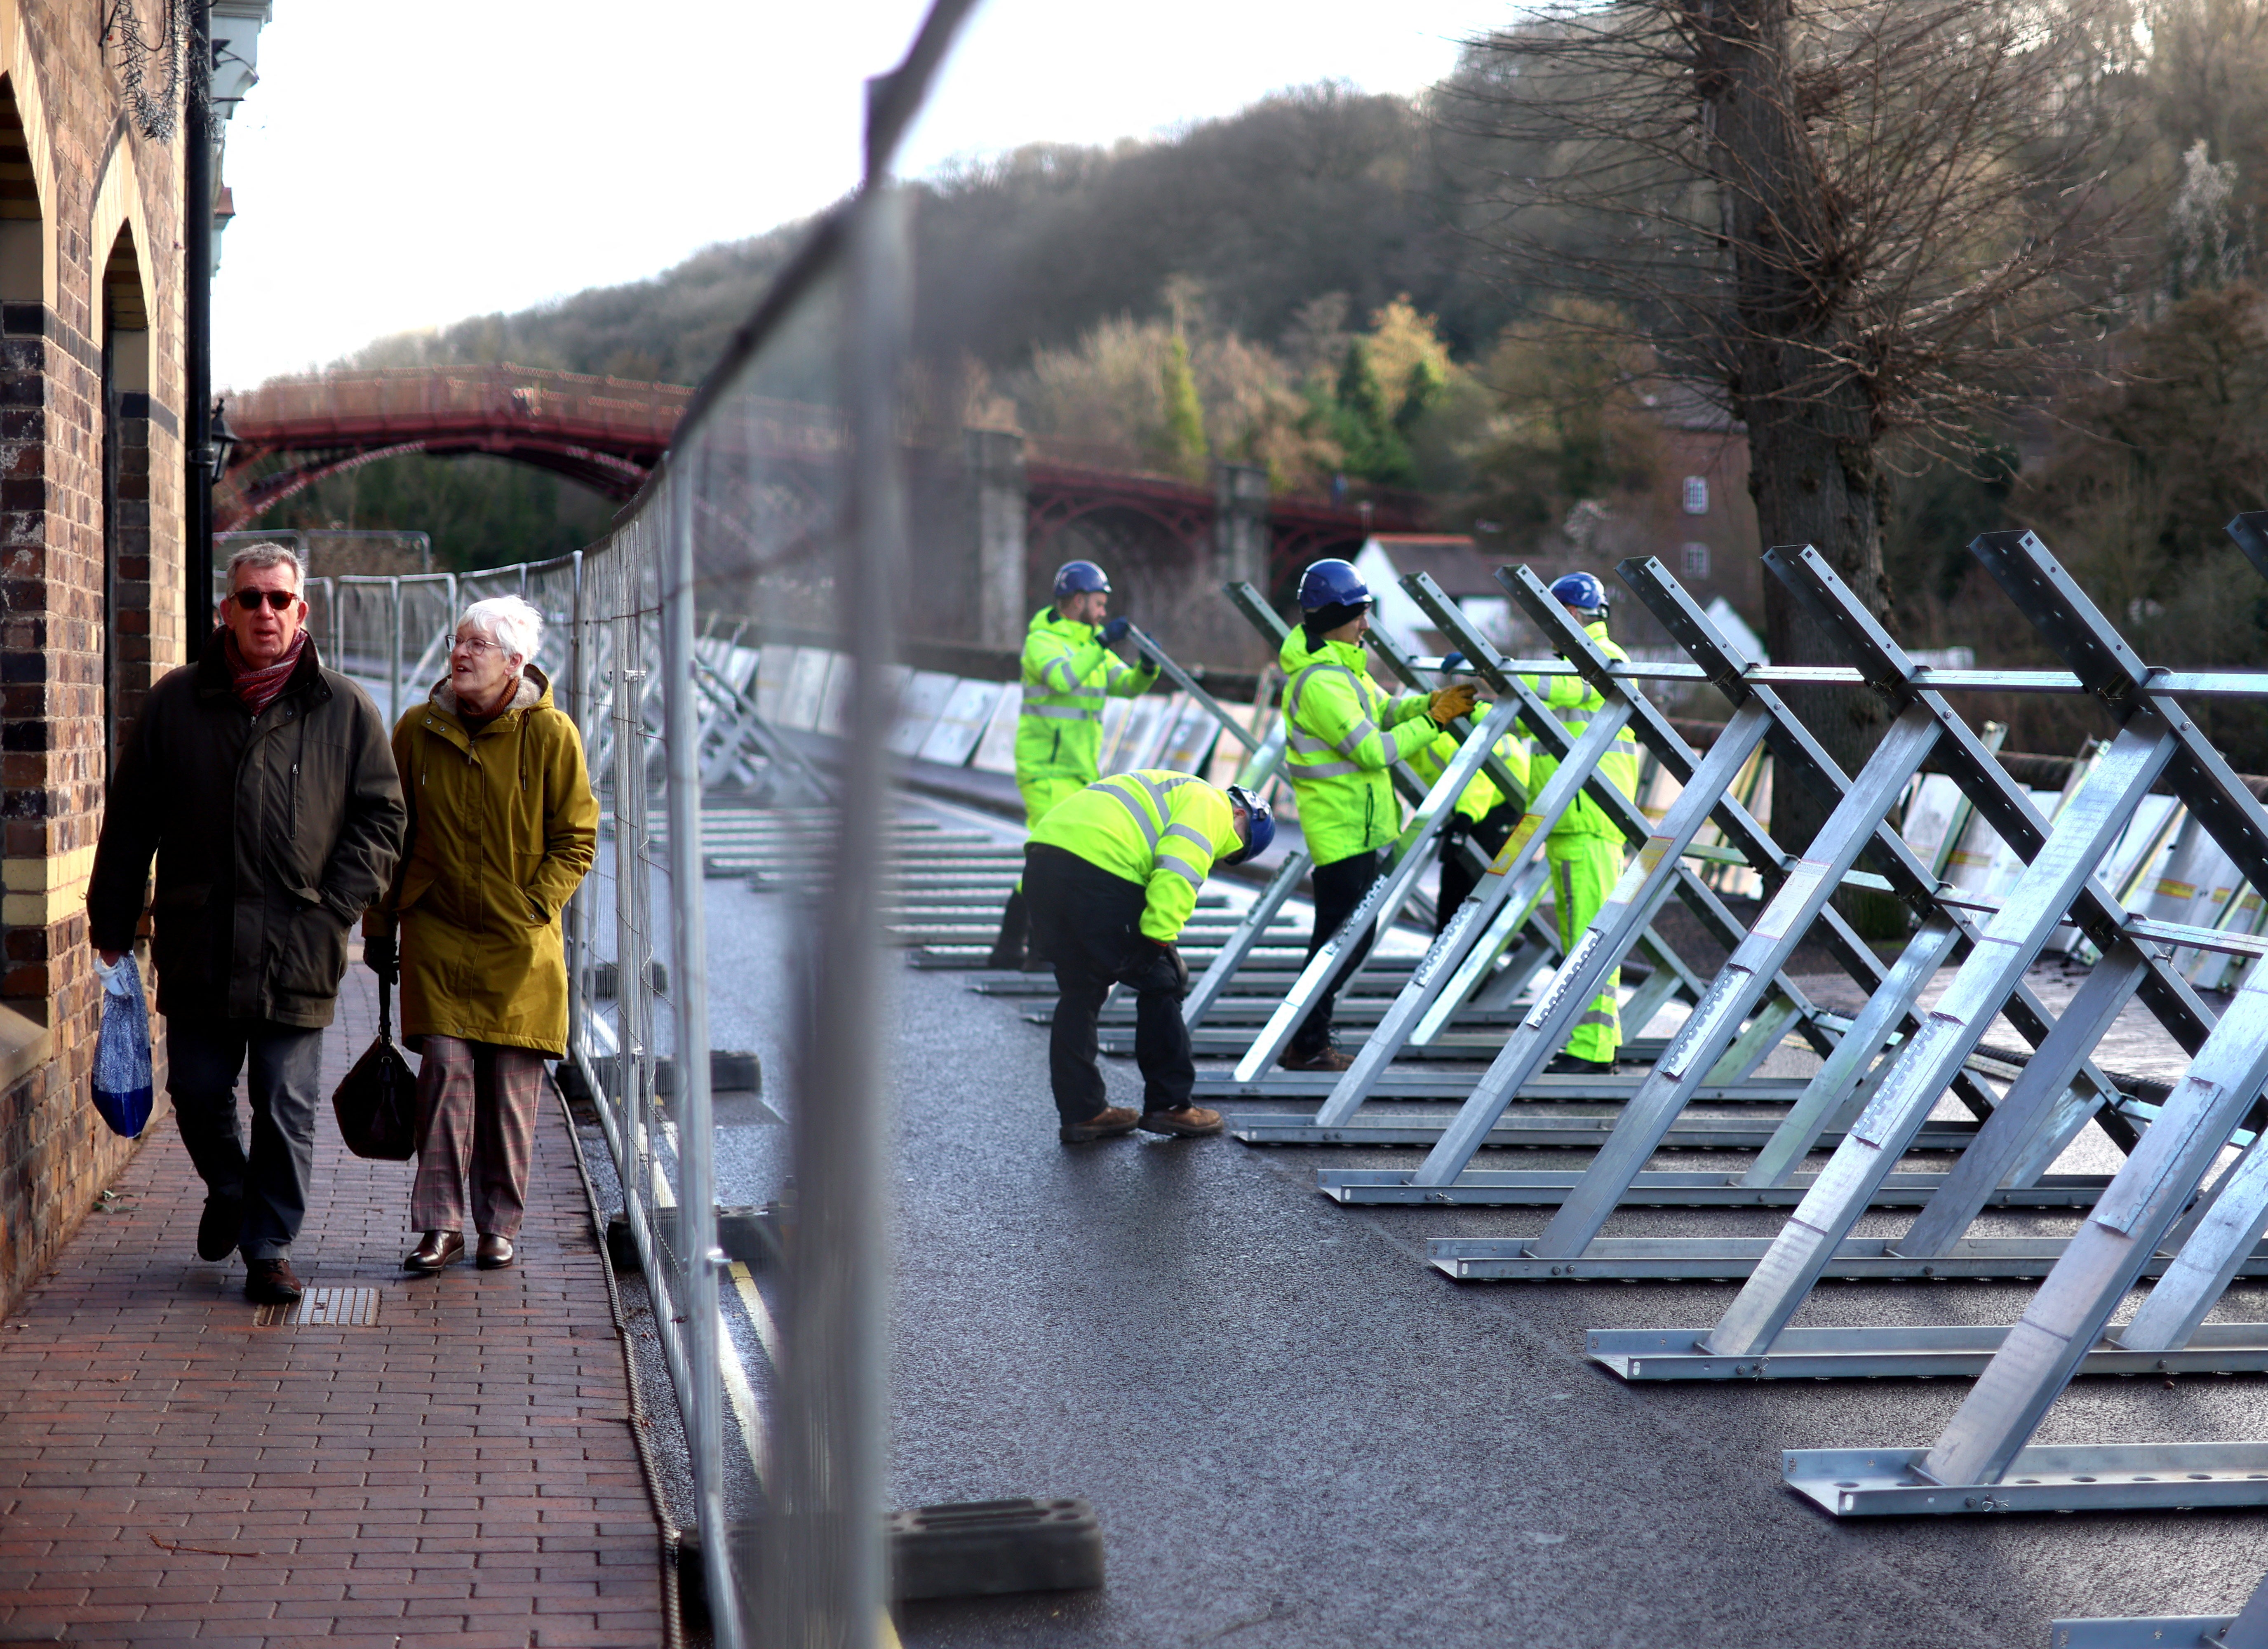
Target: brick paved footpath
(463, 1470)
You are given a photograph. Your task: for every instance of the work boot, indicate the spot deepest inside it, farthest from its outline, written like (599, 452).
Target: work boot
(1008, 948)
(220, 1227)
(1187, 1121)
(1324, 1059)
(1112, 1119)
(1575, 1065)
(271, 1281)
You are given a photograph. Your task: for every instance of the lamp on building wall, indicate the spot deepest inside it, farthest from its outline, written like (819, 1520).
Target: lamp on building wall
(223, 440)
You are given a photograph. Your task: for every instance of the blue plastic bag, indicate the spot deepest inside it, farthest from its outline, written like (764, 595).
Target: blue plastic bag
(121, 1052)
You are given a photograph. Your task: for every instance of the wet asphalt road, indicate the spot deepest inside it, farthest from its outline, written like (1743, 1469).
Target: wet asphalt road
(1295, 1433)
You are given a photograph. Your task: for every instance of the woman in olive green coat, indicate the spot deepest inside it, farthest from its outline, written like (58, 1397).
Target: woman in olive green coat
(503, 826)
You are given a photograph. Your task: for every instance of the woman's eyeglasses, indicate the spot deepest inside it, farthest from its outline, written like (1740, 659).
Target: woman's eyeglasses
(475, 644)
(250, 600)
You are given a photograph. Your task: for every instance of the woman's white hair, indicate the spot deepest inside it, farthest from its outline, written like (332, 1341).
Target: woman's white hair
(512, 623)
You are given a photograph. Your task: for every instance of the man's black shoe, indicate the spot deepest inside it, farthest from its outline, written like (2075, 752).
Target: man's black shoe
(1572, 1065)
(271, 1283)
(222, 1224)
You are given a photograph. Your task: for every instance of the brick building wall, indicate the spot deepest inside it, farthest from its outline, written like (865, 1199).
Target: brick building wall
(91, 605)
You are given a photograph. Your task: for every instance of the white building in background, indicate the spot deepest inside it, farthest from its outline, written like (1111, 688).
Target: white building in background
(1453, 560)
(236, 25)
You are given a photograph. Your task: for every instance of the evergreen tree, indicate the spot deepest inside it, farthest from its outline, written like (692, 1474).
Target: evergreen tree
(1375, 450)
(1183, 436)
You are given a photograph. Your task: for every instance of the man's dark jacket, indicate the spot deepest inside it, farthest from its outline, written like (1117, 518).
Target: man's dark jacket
(273, 834)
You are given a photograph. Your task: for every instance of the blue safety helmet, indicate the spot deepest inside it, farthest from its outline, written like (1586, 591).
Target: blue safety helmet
(1332, 584)
(1581, 591)
(1259, 829)
(1078, 577)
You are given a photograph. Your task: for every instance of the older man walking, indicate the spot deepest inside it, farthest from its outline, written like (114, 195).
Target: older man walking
(264, 785)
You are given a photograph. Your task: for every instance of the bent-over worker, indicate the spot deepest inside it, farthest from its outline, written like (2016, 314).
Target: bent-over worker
(1112, 874)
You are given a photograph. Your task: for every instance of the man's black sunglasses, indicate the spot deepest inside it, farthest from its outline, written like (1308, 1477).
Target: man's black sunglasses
(249, 599)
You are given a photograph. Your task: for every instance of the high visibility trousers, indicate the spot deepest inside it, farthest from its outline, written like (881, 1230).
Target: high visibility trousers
(1583, 870)
(1040, 797)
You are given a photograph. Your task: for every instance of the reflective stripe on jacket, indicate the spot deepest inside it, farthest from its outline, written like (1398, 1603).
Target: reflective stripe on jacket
(1481, 796)
(1573, 701)
(1341, 731)
(1067, 674)
(1159, 829)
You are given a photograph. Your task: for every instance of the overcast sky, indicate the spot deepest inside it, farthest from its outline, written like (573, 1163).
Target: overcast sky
(406, 166)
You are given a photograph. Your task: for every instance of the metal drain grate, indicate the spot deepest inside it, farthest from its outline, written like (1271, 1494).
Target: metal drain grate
(323, 1307)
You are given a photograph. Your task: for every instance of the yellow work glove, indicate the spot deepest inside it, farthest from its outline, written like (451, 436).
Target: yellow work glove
(1449, 703)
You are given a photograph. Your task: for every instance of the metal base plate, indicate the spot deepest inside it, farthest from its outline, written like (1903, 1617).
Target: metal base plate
(1689, 1133)
(1923, 1352)
(1473, 1047)
(1378, 985)
(2124, 1477)
(1492, 1188)
(1292, 1087)
(1731, 1259)
(2142, 1631)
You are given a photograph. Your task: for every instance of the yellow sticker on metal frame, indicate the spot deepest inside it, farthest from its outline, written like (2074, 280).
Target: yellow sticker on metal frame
(1522, 834)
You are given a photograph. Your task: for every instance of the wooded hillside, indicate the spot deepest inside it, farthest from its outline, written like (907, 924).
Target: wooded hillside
(1436, 292)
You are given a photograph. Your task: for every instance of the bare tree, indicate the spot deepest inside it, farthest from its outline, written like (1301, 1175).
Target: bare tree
(1859, 220)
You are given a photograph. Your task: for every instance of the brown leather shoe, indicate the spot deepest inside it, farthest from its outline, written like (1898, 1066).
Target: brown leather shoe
(1113, 1119)
(271, 1283)
(493, 1252)
(434, 1250)
(1327, 1059)
(1189, 1122)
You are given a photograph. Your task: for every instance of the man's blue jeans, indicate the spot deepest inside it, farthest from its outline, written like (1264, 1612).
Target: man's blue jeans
(285, 1063)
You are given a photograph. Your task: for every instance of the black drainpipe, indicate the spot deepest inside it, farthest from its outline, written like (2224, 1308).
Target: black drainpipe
(196, 318)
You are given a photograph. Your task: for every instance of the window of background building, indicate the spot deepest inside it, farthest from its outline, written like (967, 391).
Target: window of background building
(1696, 561)
(1696, 495)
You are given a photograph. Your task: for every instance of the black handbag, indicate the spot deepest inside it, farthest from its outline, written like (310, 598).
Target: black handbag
(376, 1102)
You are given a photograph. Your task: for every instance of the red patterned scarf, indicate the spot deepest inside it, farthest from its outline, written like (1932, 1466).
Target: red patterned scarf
(257, 689)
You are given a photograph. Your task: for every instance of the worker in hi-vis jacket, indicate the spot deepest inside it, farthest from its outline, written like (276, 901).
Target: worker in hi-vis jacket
(1068, 671)
(1585, 848)
(1112, 874)
(1343, 733)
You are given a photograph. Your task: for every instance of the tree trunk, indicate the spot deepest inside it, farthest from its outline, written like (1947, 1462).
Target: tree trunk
(1811, 423)
(1811, 488)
